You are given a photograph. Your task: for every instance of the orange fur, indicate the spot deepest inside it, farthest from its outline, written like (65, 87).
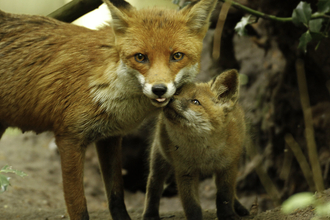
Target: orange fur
(87, 86)
(201, 132)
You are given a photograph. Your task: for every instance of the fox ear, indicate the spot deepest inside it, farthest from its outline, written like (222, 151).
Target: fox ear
(198, 14)
(226, 88)
(119, 12)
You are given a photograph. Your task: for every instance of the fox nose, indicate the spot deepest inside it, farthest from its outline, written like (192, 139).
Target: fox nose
(159, 89)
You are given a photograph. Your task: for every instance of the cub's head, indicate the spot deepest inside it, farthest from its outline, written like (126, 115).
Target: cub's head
(204, 106)
(160, 48)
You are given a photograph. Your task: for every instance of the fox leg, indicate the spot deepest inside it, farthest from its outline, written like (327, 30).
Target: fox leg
(109, 154)
(159, 169)
(240, 209)
(225, 198)
(187, 183)
(2, 130)
(72, 164)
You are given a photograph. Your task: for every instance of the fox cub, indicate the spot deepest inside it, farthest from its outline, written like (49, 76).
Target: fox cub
(94, 86)
(201, 131)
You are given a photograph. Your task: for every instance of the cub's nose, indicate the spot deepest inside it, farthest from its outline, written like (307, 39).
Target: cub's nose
(159, 89)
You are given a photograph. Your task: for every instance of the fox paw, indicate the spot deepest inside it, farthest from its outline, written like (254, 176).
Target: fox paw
(242, 211)
(229, 217)
(148, 217)
(151, 218)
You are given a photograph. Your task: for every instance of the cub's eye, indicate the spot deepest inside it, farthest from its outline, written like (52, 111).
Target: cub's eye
(196, 102)
(177, 56)
(139, 57)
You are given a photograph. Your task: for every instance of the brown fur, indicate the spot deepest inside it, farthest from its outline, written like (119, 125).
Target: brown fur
(86, 85)
(201, 131)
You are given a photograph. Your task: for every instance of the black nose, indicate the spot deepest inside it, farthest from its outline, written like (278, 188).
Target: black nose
(159, 89)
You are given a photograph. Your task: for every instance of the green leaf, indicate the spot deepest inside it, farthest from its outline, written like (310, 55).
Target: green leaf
(302, 14)
(240, 26)
(315, 25)
(317, 36)
(9, 169)
(323, 209)
(323, 6)
(4, 167)
(304, 40)
(297, 201)
(243, 79)
(4, 183)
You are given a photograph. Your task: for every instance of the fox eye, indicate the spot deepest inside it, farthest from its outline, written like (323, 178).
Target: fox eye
(196, 102)
(177, 56)
(139, 57)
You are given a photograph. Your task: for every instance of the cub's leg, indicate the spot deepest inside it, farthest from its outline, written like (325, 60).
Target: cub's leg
(225, 198)
(72, 164)
(187, 183)
(109, 154)
(159, 170)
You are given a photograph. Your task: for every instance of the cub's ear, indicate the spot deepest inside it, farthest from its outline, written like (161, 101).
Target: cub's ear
(198, 15)
(119, 12)
(226, 88)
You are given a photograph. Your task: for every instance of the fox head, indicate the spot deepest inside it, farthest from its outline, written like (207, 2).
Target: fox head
(204, 107)
(160, 47)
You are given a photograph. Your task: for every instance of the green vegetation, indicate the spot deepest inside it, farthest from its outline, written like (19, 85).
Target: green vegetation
(4, 180)
(303, 200)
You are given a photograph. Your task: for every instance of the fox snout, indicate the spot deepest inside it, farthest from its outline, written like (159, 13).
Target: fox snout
(159, 93)
(159, 90)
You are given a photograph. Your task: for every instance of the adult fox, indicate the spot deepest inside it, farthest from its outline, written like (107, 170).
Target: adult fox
(95, 86)
(200, 132)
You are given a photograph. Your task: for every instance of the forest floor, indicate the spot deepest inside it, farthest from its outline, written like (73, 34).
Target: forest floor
(39, 195)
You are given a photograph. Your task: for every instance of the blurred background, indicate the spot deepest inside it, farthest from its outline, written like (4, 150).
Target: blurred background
(90, 20)
(36, 7)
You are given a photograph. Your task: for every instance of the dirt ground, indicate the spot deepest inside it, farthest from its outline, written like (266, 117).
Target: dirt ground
(39, 195)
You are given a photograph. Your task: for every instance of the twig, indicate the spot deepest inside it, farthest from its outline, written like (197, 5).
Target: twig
(218, 30)
(326, 170)
(286, 168)
(294, 146)
(309, 129)
(75, 9)
(269, 17)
